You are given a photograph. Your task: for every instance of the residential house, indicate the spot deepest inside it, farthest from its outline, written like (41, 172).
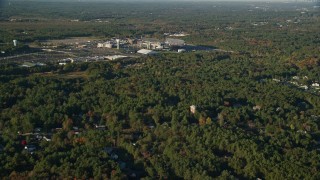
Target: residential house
(193, 109)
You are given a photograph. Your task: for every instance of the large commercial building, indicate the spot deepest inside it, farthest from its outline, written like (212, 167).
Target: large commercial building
(175, 42)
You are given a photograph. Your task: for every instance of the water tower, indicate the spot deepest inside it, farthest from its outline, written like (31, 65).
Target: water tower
(15, 42)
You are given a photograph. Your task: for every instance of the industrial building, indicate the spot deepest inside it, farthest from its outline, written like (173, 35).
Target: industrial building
(147, 46)
(105, 45)
(174, 42)
(151, 43)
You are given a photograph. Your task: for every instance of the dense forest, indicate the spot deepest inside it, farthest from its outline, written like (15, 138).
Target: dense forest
(240, 114)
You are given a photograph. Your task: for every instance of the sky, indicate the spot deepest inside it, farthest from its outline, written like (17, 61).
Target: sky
(1, 1)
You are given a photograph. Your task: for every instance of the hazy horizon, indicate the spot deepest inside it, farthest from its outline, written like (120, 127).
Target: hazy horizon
(163, 0)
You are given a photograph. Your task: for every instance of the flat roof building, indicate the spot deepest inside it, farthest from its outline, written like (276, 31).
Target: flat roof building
(175, 42)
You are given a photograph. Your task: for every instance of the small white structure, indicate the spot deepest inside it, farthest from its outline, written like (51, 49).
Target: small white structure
(256, 108)
(146, 52)
(181, 50)
(305, 87)
(295, 78)
(276, 80)
(315, 84)
(15, 42)
(100, 127)
(46, 138)
(30, 148)
(193, 109)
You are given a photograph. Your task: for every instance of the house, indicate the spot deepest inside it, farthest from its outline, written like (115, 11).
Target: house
(193, 109)
(76, 132)
(251, 124)
(146, 52)
(30, 148)
(305, 87)
(181, 50)
(256, 108)
(295, 78)
(47, 138)
(227, 104)
(100, 127)
(276, 80)
(146, 154)
(315, 84)
(294, 83)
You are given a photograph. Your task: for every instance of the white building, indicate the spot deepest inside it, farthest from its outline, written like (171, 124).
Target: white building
(295, 78)
(181, 50)
(193, 109)
(104, 45)
(151, 43)
(175, 42)
(305, 87)
(146, 52)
